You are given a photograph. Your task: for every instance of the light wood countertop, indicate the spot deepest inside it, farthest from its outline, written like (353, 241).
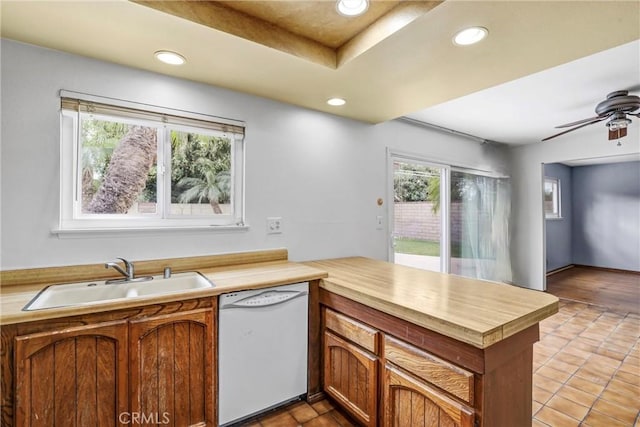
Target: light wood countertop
(476, 312)
(225, 279)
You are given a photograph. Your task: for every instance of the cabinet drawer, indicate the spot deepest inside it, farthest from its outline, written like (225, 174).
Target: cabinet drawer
(352, 330)
(438, 372)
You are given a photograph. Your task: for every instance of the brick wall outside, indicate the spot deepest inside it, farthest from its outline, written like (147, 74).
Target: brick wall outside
(416, 220)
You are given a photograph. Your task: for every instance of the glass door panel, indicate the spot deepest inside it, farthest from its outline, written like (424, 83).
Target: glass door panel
(479, 223)
(418, 215)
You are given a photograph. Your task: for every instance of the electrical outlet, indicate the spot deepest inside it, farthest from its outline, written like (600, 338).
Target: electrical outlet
(274, 225)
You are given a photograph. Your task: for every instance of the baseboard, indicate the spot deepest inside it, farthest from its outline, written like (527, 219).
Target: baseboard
(316, 397)
(558, 270)
(613, 270)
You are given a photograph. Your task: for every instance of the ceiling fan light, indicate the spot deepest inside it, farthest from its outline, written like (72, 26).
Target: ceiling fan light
(470, 36)
(169, 57)
(352, 7)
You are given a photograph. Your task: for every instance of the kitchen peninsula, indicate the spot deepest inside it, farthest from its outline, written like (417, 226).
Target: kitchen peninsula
(392, 345)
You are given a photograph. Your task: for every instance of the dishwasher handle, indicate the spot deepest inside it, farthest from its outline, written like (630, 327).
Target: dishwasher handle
(264, 299)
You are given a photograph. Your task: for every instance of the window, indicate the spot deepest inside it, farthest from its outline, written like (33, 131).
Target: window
(133, 166)
(552, 198)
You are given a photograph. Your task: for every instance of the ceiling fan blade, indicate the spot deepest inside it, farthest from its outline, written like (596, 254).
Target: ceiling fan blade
(617, 134)
(598, 119)
(634, 114)
(579, 122)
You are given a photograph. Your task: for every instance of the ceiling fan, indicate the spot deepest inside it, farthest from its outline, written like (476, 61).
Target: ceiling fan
(615, 109)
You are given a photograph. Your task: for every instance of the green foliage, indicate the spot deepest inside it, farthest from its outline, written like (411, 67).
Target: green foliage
(201, 165)
(99, 139)
(411, 182)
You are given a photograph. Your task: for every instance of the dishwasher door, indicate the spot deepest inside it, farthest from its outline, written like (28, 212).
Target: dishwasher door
(262, 349)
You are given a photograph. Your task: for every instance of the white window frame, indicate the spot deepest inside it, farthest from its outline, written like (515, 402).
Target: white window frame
(556, 212)
(73, 221)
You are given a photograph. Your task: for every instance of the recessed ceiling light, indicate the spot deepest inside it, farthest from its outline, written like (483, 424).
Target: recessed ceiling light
(169, 57)
(352, 7)
(336, 102)
(470, 36)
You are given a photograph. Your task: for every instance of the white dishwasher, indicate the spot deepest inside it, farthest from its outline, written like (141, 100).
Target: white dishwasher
(262, 349)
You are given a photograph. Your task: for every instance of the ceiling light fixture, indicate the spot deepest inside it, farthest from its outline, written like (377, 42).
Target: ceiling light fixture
(169, 57)
(470, 36)
(352, 7)
(336, 102)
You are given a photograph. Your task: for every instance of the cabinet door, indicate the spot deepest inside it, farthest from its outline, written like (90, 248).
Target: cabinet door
(172, 378)
(72, 377)
(409, 402)
(350, 377)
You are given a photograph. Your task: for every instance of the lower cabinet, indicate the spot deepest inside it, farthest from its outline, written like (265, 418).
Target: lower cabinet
(171, 370)
(410, 402)
(383, 381)
(351, 378)
(76, 376)
(156, 370)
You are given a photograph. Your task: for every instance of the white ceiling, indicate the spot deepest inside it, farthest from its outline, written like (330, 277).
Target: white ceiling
(544, 63)
(526, 110)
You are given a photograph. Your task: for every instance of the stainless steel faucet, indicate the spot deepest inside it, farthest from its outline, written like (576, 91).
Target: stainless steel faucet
(128, 274)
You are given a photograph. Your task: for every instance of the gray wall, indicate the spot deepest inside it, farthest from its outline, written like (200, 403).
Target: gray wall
(606, 215)
(558, 241)
(321, 173)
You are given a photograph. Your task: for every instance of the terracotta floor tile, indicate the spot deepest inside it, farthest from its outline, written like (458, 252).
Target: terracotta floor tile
(537, 423)
(568, 407)
(625, 414)
(570, 358)
(627, 377)
(623, 387)
(302, 412)
(593, 375)
(554, 374)
(562, 366)
(624, 399)
(555, 418)
(535, 407)
(598, 419)
(322, 406)
(585, 385)
(541, 395)
(545, 383)
(576, 395)
(325, 420)
(279, 419)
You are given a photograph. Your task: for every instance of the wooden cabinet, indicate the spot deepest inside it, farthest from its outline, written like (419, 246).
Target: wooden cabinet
(154, 365)
(350, 377)
(172, 368)
(422, 372)
(351, 366)
(74, 376)
(410, 402)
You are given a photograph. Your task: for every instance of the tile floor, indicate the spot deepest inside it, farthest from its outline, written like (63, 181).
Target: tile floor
(587, 368)
(586, 373)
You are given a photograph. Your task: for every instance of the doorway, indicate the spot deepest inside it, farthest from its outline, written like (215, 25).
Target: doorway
(419, 236)
(449, 219)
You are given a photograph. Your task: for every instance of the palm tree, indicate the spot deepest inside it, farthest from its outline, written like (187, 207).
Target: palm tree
(212, 186)
(127, 172)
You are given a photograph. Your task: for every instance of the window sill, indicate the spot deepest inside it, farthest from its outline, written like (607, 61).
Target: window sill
(80, 233)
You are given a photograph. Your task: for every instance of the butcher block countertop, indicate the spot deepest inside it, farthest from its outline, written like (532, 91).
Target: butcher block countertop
(249, 271)
(476, 312)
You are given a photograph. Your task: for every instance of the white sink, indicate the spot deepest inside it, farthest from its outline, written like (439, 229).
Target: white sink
(96, 292)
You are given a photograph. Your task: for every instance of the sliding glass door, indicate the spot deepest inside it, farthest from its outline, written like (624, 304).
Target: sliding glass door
(418, 239)
(449, 219)
(479, 218)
